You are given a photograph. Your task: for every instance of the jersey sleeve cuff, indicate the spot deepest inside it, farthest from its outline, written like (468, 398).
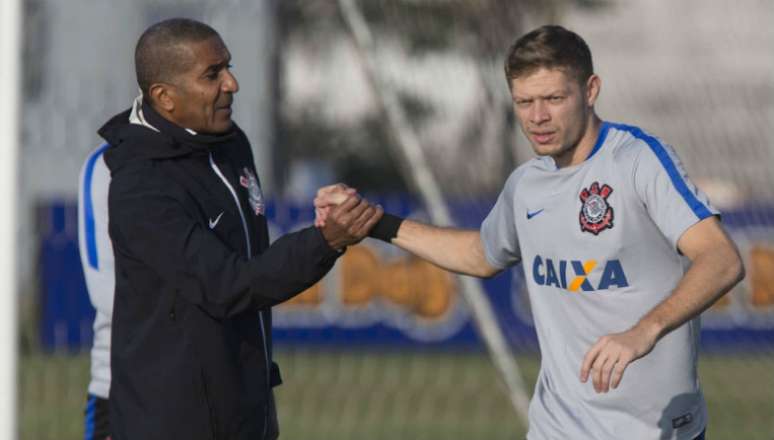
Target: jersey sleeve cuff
(492, 260)
(675, 240)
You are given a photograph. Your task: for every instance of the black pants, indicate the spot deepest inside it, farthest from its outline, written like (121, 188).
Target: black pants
(96, 423)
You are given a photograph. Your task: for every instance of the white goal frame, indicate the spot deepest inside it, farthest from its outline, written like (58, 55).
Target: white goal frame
(430, 192)
(10, 83)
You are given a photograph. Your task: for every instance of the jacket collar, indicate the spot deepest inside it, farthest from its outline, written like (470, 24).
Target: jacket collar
(151, 118)
(141, 121)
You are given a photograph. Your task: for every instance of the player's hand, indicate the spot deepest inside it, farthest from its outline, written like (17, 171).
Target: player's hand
(608, 358)
(327, 198)
(350, 221)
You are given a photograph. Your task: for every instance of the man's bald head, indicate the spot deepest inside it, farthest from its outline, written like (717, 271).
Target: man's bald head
(163, 50)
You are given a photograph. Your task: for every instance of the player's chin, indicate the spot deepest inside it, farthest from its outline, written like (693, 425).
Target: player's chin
(546, 149)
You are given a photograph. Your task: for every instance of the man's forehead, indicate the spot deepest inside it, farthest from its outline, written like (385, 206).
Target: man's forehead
(208, 52)
(542, 80)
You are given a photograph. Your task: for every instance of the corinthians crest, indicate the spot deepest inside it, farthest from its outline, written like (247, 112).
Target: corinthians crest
(255, 196)
(596, 214)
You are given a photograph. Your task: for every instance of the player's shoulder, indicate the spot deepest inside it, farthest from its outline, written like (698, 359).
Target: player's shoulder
(142, 177)
(518, 174)
(94, 176)
(97, 151)
(630, 144)
(94, 159)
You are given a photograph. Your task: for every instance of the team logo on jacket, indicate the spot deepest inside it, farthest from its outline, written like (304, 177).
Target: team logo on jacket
(255, 196)
(596, 214)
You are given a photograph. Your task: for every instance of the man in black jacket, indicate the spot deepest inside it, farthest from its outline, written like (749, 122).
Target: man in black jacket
(195, 274)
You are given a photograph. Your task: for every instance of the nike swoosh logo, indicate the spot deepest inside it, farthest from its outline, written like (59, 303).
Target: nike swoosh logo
(214, 223)
(532, 214)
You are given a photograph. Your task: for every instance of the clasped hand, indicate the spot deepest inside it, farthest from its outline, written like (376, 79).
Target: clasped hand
(344, 218)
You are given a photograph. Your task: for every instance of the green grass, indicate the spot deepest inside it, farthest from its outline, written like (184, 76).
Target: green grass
(52, 396)
(740, 396)
(388, 395)
(345, 395)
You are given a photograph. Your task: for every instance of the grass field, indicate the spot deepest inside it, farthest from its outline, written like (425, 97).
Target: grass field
(370, 395)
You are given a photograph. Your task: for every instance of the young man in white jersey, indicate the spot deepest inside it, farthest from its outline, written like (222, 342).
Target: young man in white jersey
(621, 255)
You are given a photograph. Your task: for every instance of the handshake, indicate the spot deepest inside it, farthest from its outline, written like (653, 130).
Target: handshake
(345, 218)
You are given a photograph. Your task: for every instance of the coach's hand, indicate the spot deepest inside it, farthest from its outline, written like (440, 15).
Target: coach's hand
(350, 221)
(608, 358)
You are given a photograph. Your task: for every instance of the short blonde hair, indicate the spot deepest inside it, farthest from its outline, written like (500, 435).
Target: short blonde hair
(550, 47)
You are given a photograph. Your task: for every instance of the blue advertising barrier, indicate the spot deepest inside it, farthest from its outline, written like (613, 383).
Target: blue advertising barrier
(379, 295)
(66, 314)
(338, 312)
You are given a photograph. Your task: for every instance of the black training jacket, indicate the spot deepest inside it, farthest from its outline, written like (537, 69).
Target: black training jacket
(195, 280)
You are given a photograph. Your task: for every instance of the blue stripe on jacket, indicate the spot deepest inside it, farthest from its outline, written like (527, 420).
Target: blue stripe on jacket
(91, 409)
(88, 207)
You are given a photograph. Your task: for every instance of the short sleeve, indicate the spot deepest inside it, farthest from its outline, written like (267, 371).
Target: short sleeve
(672, 200)
(498, 231)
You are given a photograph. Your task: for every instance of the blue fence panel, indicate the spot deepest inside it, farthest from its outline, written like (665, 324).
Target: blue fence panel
(379, 295)
(66, 312)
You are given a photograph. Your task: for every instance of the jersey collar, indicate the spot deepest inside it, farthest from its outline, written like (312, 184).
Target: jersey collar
(600, 139)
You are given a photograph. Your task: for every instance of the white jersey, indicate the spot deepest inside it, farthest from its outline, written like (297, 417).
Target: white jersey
(97, 261)
(599, 246)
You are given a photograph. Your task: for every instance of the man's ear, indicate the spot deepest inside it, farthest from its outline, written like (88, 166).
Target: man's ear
(593, 86)
(163, 96)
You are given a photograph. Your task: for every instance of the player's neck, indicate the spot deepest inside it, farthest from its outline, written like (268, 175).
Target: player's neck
(583, 148)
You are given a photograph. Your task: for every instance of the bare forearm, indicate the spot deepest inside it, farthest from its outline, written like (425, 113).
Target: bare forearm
(456, 250)
(710, 276)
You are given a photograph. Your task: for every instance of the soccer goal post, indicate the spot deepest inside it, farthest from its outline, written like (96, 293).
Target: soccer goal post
(431, 195)
(10, 29)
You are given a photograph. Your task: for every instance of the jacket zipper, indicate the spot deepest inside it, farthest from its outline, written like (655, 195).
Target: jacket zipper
(249, 255)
